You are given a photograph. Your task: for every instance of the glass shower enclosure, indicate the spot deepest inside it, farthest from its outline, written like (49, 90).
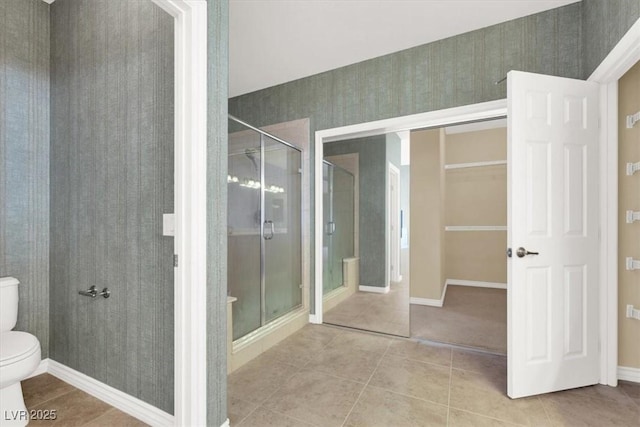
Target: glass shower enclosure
(339, 222)
(264, 227)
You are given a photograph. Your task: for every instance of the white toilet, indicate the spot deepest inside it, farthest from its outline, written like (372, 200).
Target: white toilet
(19, 357)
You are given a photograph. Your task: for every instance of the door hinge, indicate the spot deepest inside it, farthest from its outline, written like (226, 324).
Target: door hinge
(175, 260)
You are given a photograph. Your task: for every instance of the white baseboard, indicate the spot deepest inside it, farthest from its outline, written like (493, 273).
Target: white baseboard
(431, 302)
(314, 319)
(476, 284)
(629, 374)
(426, 301)
(226, 423)
(42, 368)
(126, 403)
(375, 289)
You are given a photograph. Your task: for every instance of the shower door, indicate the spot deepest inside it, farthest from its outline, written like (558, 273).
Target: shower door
(339, 219)
(264, 228)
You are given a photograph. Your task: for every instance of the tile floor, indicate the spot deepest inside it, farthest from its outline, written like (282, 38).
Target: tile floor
(73, 407)
(473, 317)
(384, 313)
(327, 376)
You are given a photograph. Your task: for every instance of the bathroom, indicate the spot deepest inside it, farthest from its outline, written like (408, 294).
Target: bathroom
(91, 111)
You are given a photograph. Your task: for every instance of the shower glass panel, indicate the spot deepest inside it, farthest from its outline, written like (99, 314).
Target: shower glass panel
(264, 228)
(339, 220)
(282, 221)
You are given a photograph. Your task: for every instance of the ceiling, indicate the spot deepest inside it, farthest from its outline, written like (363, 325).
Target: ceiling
(276, 41)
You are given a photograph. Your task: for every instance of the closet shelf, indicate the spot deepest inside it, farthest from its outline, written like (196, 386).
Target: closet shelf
(475, 164)
(475, 228)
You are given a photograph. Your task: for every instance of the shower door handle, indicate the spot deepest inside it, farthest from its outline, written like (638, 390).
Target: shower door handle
(331, 228)
(271, 230)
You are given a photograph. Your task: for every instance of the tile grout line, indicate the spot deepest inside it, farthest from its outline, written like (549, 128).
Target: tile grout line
(450, 381)
(544, 408)
(365, 386)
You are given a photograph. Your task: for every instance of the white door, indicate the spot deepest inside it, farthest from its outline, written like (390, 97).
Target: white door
(552, 210)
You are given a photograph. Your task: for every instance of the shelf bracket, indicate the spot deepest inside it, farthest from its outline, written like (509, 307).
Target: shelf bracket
(632, 217)
(632, 264)
(632, 168)
(633, 119)
(633, 313)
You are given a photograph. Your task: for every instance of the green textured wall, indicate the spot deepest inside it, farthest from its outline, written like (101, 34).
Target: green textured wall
(111, 181)
(605, 22)
(217, 158)
(24, 159)
(456, 71)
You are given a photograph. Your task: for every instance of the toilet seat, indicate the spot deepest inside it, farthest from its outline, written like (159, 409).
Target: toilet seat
(16, 346)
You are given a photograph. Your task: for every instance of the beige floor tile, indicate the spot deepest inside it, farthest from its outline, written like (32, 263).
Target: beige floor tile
(409, 377)
(350, 363)
(459, 418)
(485, 394)
(72, 409)
(572, 409)
(296, 350)
(42, 388)
(362, 341)
(114, 417)
(316, 398)
(238, 409)
(258, 379)
(598, 391)
(377, 407)
(262, 417)
(420, 351)
(479, 362)
(321, 333)
(631, 389)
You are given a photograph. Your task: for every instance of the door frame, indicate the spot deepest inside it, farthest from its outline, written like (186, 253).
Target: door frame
(621, 58)
(393, 219)
(190, 180)
(440, 118)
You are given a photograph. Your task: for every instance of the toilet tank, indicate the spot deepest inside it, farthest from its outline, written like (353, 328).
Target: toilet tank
(8, 303)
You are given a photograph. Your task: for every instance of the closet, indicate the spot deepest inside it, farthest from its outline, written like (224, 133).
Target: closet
(458, 264)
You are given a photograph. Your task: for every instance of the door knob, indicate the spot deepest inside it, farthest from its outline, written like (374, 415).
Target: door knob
(521, 252)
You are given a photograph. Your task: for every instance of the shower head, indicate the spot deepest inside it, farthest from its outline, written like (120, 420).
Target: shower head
(251, 154)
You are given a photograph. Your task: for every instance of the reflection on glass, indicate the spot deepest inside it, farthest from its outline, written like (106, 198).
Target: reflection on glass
(338, 210)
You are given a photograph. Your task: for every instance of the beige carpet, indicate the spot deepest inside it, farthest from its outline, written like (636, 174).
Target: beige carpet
(474, 317)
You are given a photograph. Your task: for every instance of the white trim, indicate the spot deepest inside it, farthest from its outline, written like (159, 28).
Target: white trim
(375, 289)
(476, 284)
(226, 423)
(263, 331)
(43, 368)
(475, 164)
(392, 169)
(440, 118)
(427, 301)
(621, 58)
(475, 228)
(48, 1)
(629, 374)
(314, 319)
(116, 398)
(190, 372)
